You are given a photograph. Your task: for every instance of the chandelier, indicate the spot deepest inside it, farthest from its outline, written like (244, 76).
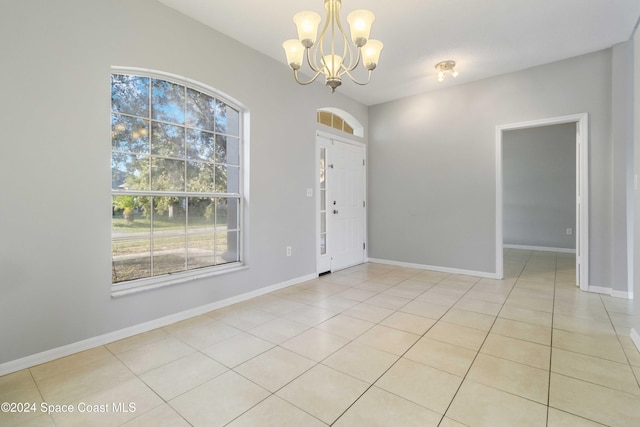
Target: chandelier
(332, 55)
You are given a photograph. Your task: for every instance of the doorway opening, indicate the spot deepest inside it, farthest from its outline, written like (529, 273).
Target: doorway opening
(581, 191)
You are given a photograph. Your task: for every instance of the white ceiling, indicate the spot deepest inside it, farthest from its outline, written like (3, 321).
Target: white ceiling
(484, 37)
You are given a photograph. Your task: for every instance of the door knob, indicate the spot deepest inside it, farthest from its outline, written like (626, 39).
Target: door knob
(335, 211)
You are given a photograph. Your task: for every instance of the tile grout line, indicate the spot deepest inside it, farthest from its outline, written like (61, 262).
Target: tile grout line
(481, 345)
(553, 310)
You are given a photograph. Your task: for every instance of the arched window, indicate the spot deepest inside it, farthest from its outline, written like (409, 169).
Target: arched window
(340, 120)
(176, 159)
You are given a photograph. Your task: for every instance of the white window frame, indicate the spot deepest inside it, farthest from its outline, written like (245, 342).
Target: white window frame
(167, 279)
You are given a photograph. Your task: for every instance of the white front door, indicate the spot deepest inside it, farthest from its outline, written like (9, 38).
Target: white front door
(341, 201)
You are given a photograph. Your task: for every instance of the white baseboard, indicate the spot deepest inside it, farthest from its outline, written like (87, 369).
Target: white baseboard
(66, 350)
(436, 268)
(609, 291)
(622, 294)
(541, 248)
(635, 337)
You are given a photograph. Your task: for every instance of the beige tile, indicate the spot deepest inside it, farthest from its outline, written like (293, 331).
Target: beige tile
(580, 325)
(408, 322)
(237, 349)
(18, 387)
(440, 355)
(70, 363)
(425, 309)
(430, 276)
(278, 330)
(305, 297)
(469, 318)
(274, 368)
(526, 315)
(275, 412)
(367, 312)
(198, 320)
(461, 336)
(595, 370)
(309, 316)
(280, 306)
(388, 301)
(525, 352)
(182, 375)
(376, 284)
(478, 405)
(594, 402)
(448, 422)
(345, 326)
(361, 361)
(160, 416)
(630, 349)
(323, 392)
(31, 419)
(205, 334)
(522, 380)
(112, 406)
(356, 294)
(334, 303)
(559, 418)
(478, 306)
(135, 341)
(409, 289)
(420, 384)
(247, 319)
(388, 339)
(603, 346)
(87, 379)
(379, 408)
(439, 297)
(493, 296)
(150, 356)
(522, 331)
(315, 344)
(219, 401)
(530, 302)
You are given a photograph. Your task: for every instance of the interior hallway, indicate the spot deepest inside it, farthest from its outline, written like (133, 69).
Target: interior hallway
(373, 345)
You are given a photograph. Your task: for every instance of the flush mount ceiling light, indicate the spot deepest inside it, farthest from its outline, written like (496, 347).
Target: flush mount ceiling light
(445, 67)
(333, 55)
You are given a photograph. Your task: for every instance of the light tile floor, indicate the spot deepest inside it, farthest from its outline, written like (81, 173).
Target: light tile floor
(373, 345)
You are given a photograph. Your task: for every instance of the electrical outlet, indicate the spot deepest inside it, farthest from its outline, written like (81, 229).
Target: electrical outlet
(309, 192)
(569, 231)
(288, 250)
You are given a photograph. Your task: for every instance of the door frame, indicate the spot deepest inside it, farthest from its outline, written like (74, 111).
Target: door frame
(582, 191)
(342, 140)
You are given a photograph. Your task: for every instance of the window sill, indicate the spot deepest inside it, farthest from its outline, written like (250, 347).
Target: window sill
(142, 285)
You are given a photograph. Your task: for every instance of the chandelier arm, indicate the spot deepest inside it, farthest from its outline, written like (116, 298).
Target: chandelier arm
(347, 70)
(312, 64)
(319, 65)
(356, 81)
(347, 51)
(313, 79)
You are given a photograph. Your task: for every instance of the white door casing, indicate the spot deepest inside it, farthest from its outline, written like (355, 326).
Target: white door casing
(341, 204)
(582, 191)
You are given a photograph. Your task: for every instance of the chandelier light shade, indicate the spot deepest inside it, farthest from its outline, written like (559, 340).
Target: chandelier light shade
(446, 67)
(333, 54)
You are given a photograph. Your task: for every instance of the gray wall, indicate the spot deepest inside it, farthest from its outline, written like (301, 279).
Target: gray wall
(622, 158)
(432, 193)
(55, 269)
(539, 186)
